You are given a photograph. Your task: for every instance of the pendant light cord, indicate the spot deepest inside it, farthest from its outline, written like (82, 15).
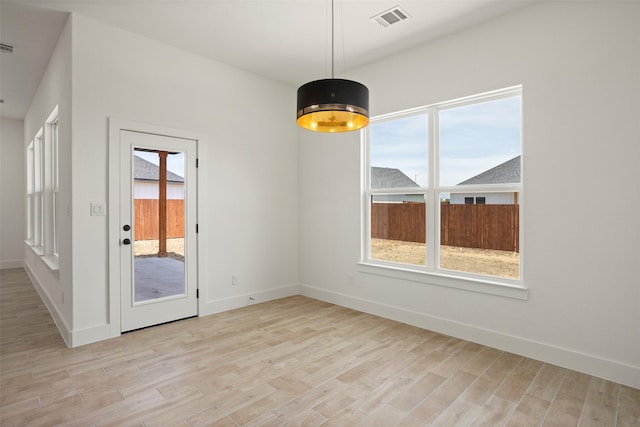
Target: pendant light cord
(332, 44)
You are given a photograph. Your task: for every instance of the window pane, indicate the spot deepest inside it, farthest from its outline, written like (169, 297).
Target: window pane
(54, 154)
(30, 192)
(39, 189)
(55, 222)
(398, 150)
(481, 238)
(54, 187)
(398, 228)
(480, 143)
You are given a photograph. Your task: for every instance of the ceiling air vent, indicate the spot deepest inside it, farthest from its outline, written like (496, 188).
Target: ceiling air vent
(391, 16)
(5, 48)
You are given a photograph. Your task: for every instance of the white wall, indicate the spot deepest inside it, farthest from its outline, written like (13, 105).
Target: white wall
(55, 286)
(248, 164)
(579, 64)
(12, 187)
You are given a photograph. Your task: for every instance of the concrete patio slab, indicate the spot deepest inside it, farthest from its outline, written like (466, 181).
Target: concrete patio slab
(158, 278)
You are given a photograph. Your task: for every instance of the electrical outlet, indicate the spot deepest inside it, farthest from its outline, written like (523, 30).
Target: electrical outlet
(350, 279)
(235, 281)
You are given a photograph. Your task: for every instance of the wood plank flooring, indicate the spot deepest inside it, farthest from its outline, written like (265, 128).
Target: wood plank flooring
(291, 362)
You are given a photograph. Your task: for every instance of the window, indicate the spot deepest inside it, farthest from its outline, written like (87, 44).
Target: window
(30, 168)
(42, 191)
(443, 185)
(38, 191)
(475, 200)
(53, 206)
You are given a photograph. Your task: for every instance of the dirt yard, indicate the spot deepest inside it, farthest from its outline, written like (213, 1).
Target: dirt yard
(480, 261)
(175, 247)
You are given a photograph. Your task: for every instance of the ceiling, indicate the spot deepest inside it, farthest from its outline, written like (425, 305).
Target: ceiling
(286, 40)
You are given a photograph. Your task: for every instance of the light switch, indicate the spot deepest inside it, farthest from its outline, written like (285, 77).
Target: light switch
(98, 209)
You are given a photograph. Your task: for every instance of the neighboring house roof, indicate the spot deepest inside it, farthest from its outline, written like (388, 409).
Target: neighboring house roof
(146, 171)
(505, 173)
(390, 178)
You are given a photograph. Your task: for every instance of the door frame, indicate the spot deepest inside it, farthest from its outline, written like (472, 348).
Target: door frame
(115, 127)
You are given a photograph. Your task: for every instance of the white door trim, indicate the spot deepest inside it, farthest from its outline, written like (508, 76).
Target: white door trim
(115, 127)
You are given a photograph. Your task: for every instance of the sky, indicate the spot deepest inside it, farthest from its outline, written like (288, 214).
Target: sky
(175, 162)
(473, 138)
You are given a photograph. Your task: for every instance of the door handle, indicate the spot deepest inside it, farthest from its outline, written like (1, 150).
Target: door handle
(126, 241)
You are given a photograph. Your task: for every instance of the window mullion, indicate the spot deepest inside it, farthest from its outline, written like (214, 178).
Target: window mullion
(365, 209)
(432, 199)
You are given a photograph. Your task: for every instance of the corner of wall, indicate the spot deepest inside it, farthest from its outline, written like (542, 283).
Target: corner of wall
(212, 306)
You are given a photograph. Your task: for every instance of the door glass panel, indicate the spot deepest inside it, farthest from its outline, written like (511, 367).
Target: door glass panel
(158, 225)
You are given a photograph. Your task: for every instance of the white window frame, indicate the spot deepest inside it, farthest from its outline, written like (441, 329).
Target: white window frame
(55, 185)
(30, 168)
(431, 273)
(38, 192)
(50, 222)
(52, 187)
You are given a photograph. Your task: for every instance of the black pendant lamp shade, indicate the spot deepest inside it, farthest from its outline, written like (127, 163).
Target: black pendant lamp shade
(333, 105)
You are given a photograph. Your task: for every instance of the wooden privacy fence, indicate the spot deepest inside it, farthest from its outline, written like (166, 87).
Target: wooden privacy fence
(468, 226)
(399, 221)
(146, 221)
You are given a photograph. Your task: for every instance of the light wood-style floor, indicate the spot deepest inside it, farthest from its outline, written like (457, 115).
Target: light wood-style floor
(291, 362)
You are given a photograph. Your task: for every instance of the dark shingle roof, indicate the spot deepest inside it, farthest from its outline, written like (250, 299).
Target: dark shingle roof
(390, 178)
(505, 173)
(147, 171)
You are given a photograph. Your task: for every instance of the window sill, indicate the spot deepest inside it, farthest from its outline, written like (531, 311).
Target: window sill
(38, 250)
(449, 281)
(51, 261)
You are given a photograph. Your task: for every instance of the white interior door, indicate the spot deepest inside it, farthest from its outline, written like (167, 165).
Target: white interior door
(158, 269)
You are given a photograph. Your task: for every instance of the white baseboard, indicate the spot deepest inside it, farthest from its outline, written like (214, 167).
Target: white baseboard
(208, 307)
(608, 369)
(102, 332)
(15, 263)
(97, 333)
(91, 334)
(58, 319)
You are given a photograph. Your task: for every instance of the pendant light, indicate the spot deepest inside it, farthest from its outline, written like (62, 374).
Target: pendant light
(333, 105)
